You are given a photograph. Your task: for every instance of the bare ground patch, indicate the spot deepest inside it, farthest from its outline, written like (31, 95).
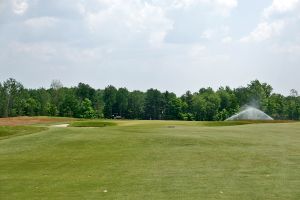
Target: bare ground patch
(17, 121)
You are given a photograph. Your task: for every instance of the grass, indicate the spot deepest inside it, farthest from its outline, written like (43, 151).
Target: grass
(244, 122)
(92, 123)
(9, 131)
(154, 160)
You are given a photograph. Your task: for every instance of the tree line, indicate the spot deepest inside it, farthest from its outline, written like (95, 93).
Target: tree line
(83, 101)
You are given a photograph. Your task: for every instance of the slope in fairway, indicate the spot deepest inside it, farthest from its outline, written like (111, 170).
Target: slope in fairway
(153, 160)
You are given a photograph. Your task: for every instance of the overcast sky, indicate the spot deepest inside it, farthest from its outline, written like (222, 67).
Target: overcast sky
(174, 45)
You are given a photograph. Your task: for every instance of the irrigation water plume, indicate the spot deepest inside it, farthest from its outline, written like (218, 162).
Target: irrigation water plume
(250, 113)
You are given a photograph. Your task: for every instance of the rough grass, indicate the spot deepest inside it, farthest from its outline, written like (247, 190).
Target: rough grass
(92, 124)
(244, 122)
(9, 131)
(154, 160)
(193, 123)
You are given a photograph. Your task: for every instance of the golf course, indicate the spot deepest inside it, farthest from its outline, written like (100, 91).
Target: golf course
(149, 100)
(142, 160)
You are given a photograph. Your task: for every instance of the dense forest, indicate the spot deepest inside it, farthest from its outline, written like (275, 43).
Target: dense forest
(83, 101)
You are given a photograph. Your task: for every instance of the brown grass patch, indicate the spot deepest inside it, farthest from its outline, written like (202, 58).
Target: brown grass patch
(17, 121)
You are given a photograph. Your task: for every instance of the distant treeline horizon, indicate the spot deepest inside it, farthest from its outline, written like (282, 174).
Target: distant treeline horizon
(83, 101)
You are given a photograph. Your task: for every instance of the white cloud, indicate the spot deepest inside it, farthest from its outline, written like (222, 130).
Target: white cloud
(197, 51)
(42, 51)
(51, 51)
(227, 3)
(276, 20)
(2, 6)
(114, 40)
(156, 39)
(208, 34)
(227, 40)
(41, 22)
(20, 6)
(287, 49)
(133, 19)
(225, 6)
(221, 7)
(215, 32)
(281, 6)
(265, 31)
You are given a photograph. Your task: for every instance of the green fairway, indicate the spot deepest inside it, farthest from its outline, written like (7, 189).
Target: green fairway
(141, 160)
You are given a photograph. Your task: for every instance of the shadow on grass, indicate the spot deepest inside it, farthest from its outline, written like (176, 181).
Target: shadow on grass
(244, 122)
(11, 131)
(92, 124)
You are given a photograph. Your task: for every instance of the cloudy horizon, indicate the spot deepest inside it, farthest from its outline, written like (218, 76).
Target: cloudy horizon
(174, 45)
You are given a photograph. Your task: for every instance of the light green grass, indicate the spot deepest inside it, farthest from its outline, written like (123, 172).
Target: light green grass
(141, 160)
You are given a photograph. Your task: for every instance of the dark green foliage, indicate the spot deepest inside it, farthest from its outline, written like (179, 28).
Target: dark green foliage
(70, 106)
(136, 101)
(84, 91)
(276, 106)
(84, 101)
(86, 109)
(99, 103)
(255, 93)
(13, 101)
(293, 107)
(3, 100)
(110, 98)
(31, 107)
(122, 102)
(174, 108)
(206, 105)
(228, 103)
(154, 103)
(52, 109)
(43, 97)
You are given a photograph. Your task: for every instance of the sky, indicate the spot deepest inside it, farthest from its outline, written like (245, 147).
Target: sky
(174, 45)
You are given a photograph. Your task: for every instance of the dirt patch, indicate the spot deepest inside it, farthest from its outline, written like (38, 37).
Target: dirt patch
(16, 121)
